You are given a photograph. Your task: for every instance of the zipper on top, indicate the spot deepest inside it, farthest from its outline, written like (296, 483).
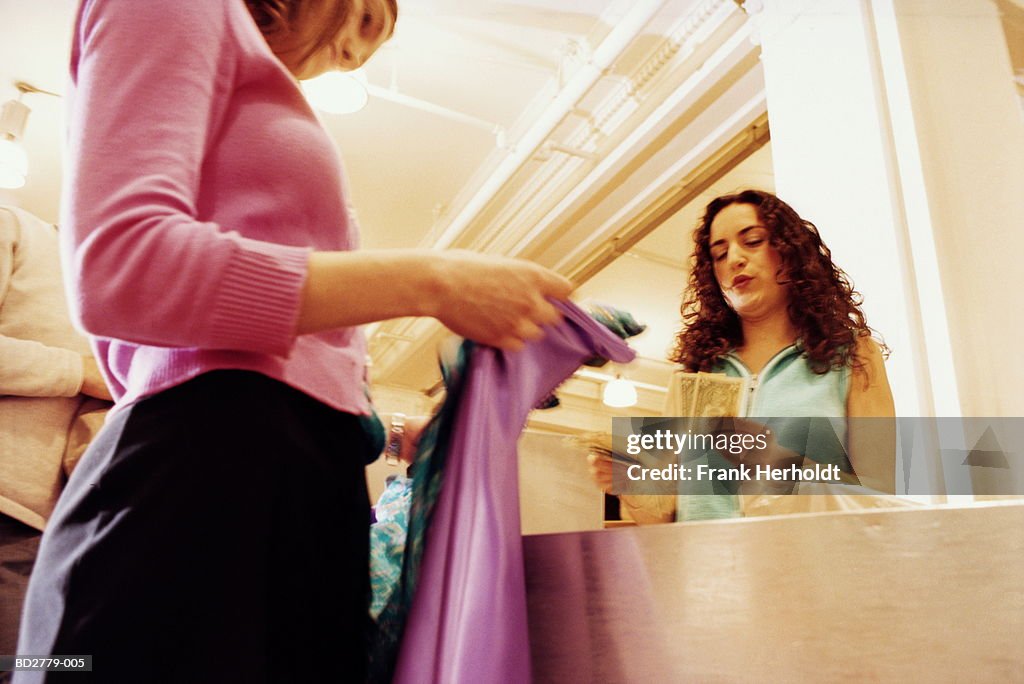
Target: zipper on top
(752, 392)
(754, 378)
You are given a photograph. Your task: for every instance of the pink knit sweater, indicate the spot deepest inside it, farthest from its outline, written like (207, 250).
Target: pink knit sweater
(198, 182)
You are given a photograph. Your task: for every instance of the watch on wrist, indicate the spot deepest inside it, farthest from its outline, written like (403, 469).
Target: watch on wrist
(394, 444)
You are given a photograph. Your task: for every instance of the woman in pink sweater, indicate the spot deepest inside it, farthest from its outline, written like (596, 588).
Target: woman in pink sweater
(217, 529)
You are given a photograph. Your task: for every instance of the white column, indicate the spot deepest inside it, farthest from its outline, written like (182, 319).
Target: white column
(833, 163)
(896, 129)
(969, 130)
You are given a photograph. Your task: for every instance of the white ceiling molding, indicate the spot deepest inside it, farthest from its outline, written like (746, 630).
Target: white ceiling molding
(621, 117)
(624, 33)
(641, 134)
(620, 124)
(392, 94)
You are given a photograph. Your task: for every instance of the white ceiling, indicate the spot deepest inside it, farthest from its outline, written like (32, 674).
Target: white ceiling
(486, 59)
(413, 171)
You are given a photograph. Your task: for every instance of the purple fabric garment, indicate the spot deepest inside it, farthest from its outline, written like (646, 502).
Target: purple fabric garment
(468, 621)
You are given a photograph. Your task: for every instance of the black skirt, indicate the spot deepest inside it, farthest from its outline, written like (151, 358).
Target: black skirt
(215, 532)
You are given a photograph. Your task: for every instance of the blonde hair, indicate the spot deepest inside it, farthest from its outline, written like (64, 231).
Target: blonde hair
(276, 19)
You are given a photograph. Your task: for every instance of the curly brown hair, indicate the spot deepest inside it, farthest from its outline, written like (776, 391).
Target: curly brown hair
(823, 306)
(275, 19)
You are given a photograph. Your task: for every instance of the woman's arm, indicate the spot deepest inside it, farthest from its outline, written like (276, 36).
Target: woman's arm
(871, 444)
(493, 300)
(29, 368)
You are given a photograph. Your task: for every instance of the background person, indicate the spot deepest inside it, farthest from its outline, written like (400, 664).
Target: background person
(219, 523)
(47, 373)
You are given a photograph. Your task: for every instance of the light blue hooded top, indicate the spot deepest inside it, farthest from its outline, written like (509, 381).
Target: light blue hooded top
(786, 389)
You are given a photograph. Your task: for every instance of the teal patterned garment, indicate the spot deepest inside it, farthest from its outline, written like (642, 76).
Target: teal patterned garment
(618, 321)
(428, 474)
(387, 540)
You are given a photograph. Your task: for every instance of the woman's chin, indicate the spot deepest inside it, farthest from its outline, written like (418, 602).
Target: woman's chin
(753, 309)
(745, 306)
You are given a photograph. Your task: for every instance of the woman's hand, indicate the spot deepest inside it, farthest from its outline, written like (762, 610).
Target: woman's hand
(497, 301)
(93, 384)
(772, 454)
(600, 468)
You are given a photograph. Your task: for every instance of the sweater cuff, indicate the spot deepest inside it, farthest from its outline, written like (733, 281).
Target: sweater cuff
(258, 306)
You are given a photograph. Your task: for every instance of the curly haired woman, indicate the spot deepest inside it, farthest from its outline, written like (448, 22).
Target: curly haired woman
(765, 302)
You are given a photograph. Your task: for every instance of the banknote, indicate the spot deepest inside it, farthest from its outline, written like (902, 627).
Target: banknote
(686, 384)
(707, 395)
(719, 396)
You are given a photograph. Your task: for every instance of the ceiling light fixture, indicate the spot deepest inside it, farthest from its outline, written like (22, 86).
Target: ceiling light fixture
(619, 393)
(13, 158)
(337, 92)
